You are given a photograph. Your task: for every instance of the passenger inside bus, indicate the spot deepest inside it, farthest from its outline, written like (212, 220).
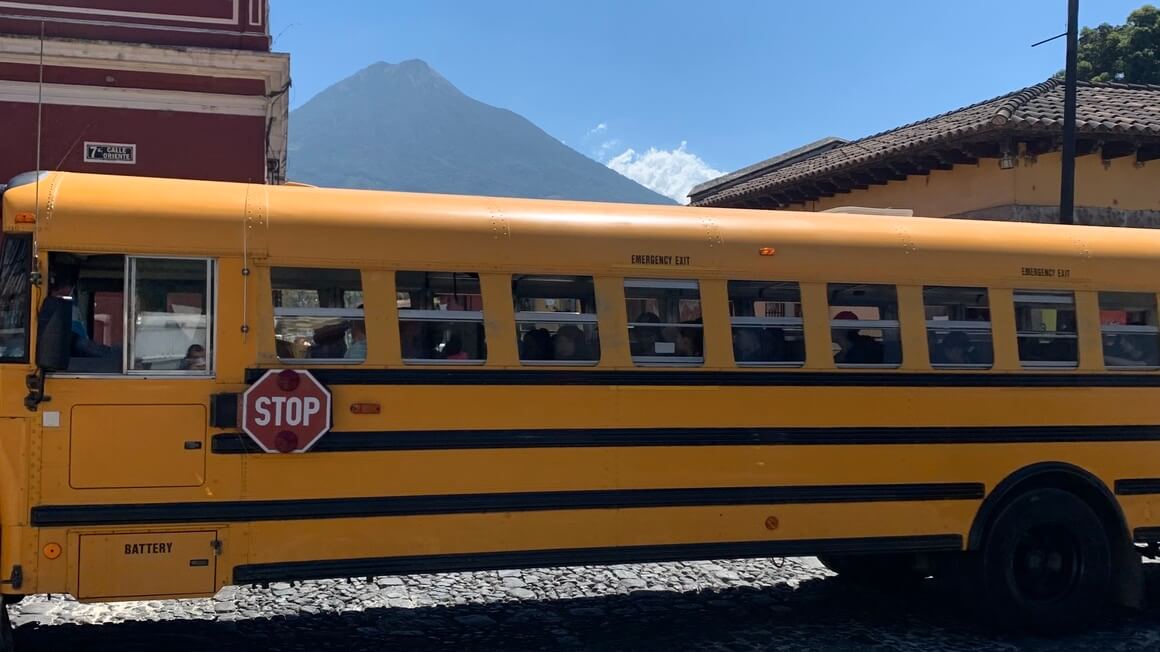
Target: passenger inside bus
(318, 313)
(555, 318)
(954, 349)
(960, 348)
(442, 340)
(453, 346)
(568, 344)
(412, 338)
(422, 298)
(329, 342)
(63, 284)
(194, 358)
(283, 348)
(774, 346)
(689, 342)
(1131, 350)
(747, 345)
(154, 309)
(854, 346)
(537, 345)
(357, 349)
(645, 338)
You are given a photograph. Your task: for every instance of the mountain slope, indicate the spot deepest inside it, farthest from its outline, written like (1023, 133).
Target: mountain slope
(405, 127)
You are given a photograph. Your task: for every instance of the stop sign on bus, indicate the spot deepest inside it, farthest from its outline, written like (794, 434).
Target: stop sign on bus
(286, 411)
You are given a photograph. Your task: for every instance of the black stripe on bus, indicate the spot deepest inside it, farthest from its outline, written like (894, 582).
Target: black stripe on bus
(478, 561)
(1137, 486)
(363, 507)
(407, 440)
(1150, 534)
(742, 378)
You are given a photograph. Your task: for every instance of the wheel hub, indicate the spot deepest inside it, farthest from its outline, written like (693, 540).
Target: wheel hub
(1047, 563)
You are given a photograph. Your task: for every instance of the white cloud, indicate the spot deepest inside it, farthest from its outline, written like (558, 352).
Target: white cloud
(605, 148)
(606, 145)
(672, 173)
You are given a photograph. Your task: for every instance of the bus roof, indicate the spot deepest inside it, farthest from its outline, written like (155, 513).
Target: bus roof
(374, 229)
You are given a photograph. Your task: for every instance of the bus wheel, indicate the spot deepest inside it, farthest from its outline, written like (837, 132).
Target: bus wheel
(877, 570)
(1046, 563)
(7, 638)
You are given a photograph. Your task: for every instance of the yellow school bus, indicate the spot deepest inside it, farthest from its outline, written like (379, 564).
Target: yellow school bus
(515, 383)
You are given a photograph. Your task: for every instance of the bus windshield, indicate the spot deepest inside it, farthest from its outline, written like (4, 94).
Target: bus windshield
(15, 263)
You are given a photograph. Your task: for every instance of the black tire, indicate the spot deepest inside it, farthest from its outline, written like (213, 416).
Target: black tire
(1046, 564)
(878, 570)
(7, 636)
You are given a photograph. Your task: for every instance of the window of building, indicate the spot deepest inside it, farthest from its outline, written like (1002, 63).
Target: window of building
(556, 319)
(1046, 328)
(767, 323)
(440, 317)
(664, 321)
(958, 327)
(15, 297)
(864, 325)
(1129, 329)
(318, 314)
(170, 315)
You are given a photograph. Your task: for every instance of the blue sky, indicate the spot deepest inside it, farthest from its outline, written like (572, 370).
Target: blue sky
(706, 86)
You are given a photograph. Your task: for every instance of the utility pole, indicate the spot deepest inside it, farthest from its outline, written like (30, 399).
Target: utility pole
(1067, 179)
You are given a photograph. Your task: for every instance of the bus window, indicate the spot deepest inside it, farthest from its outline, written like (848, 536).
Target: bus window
(664, 324)
(767, 323)
(15, 266)
(170, 318)
(318, 314)
(1129, 329)
(864, 325)
(96, 284)
(1046, 328)
(958, 327)
(440, 317)
(556, 319)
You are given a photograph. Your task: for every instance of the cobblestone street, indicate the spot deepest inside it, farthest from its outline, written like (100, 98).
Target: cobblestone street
(726, 605)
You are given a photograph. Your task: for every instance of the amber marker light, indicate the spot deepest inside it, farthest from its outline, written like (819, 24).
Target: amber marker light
(767, 251)
(52, 550)
(366, 408)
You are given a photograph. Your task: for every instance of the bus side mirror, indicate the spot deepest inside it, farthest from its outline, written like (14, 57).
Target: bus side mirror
(54, 334)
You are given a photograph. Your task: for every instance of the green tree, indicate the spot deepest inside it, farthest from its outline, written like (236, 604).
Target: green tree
(1125, 53)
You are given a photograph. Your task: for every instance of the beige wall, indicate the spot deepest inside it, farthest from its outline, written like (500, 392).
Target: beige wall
(1120, 184)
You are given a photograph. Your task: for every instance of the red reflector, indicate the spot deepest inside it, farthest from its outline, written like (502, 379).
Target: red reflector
(286, 441)
(766, 251)
(288, 380)
(365, 408)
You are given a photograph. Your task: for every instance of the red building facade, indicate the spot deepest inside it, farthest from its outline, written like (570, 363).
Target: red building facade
(189, 90)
